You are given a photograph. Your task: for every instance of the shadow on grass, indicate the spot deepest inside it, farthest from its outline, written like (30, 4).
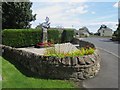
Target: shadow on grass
(28, 73)
(23, 69)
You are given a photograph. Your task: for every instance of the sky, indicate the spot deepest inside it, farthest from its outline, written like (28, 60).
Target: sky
(76, 14)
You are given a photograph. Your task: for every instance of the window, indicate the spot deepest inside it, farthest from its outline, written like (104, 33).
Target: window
(103, 31)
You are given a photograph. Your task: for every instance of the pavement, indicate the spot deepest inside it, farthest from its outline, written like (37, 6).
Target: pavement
(108, 75)
(105, 43)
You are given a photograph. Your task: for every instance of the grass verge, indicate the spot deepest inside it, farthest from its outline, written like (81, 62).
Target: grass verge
(13, 78)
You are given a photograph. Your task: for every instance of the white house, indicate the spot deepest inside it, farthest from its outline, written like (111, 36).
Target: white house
(105, 31)
(84, 31)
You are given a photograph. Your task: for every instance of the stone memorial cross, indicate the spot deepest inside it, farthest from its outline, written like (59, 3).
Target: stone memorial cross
(45, 26)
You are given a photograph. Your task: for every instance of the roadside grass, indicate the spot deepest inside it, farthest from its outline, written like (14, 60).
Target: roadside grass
(13, 78)
(100, 36)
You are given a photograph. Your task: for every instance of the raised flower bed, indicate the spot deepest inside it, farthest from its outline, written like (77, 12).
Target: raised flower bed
(75, 66)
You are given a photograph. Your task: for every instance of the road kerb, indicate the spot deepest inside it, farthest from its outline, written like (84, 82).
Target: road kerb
(109, 52)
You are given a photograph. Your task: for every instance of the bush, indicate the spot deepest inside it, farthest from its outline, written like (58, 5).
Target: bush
(21, 37)
(54, 35)
(75, 41)
(85, 44)
(116, 34)
(67, 35)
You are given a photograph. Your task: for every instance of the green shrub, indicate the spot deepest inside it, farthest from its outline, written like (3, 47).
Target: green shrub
(67, 35)
(54, 35)
(21, 37)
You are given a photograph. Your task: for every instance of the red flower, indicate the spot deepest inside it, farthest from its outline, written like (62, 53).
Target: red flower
(44, 44)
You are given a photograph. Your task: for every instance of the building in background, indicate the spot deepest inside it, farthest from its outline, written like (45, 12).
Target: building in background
(84, 32)
(105, 31)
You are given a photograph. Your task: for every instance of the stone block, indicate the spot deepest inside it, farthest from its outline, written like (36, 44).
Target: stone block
(80, 75)
(81, 61)
(92, 57)
(74, 61)
(87, 60)
(67, 61)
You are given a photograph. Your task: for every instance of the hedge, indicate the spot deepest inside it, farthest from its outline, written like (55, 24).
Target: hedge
(54, 35)
(21, 37)
(67, 35)
(30, 37)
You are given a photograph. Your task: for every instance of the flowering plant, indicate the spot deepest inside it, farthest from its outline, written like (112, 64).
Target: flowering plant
(75, 53)
(44, 44)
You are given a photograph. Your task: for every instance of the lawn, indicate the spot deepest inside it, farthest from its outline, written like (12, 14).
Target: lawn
(13, 78)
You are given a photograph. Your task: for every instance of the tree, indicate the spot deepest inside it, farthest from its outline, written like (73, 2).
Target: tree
(116, 34)
(17, 15)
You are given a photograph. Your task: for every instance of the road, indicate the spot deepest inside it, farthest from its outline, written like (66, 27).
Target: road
(108, 75)
(105, 43)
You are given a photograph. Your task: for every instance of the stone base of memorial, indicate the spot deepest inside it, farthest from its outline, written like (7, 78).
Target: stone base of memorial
(75, 68)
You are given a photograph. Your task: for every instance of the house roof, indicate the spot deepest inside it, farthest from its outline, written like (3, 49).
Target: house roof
(84, 30)
(104, 27)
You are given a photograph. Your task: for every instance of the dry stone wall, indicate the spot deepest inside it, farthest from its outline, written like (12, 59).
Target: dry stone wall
(77, 68)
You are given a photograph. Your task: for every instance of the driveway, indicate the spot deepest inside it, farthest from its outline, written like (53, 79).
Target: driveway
(108, 75)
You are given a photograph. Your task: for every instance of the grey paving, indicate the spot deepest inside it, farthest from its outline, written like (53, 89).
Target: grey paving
(105, 43)
(108, 75)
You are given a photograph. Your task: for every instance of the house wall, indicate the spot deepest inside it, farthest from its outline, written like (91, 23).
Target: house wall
(105, 33)
(83, 34)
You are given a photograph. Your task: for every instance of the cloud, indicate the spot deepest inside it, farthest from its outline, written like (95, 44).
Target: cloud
(94, 26)
(60, 13)
(68, 14)
(58, 0)
(106, 17)
(77, 0)
(79, 10)
(53, 12)
(106, 23)
(117, 5)
(73, 0)
(93, 12)
(110, 24)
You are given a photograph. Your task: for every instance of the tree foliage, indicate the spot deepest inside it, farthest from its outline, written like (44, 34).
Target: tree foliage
(17, 15)
(67, 35)
(117, 32)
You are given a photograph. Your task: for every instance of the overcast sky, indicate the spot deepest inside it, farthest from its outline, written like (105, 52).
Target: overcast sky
(76, 14)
